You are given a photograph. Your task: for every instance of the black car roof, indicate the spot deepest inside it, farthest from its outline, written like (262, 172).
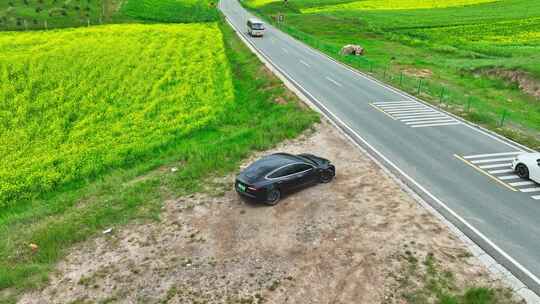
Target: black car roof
(271, 162)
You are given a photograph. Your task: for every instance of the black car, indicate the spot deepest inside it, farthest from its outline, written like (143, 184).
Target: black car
(269, 177)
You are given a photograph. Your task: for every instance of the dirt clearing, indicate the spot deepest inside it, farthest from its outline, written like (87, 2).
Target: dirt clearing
(359, 239)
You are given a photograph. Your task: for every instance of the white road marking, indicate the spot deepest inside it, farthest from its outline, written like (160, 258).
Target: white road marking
(527, 190)
(525, 183)
(396, 102)
(285, 50)
(405, 116)
(333, 81)
(425, 118)
(507, 177)
(410, 111)
(403, 107)
(304, 63)
(493, 154)
(496, 166)
(492, 160)
(421, 123)
(437, 124)
(500, 171)
(536, 197)
(416, 115)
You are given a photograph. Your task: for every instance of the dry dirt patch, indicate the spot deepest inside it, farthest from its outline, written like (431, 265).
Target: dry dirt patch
(354, 240)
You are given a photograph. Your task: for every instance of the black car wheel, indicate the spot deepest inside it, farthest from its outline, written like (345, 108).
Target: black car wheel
(273, 197)
(522, 171)
(326, 176)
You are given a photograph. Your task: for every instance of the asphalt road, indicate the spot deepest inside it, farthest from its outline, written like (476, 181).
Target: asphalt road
(462, 170)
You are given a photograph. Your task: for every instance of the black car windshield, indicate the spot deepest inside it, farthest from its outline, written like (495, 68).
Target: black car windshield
(260, 168)
(257, 26)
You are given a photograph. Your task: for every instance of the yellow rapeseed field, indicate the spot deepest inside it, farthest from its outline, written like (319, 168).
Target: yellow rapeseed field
(522, 32)
(394, 5)
(75, 103)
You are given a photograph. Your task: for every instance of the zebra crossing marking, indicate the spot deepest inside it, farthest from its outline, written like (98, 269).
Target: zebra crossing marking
(509, 177)
(493, 160)
(495, 166)
(500, 171)
(503, 172)
(415, 114)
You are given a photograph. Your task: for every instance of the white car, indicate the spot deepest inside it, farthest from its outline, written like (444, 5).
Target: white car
(527, 165)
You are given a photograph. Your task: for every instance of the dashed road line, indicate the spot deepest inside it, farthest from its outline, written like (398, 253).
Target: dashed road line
(415, 114)
(527, 190)
(536, 197)
(333, 81)
(305, 63)
(285, 50)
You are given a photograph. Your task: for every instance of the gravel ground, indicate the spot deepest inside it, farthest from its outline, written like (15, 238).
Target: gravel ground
(359, 239)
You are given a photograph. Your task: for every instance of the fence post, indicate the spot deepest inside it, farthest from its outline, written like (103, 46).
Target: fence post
(384, 73)
(504, 114)
(419, 86)
(401, 79)
(469, 101)
(441, 96)
(371, 67)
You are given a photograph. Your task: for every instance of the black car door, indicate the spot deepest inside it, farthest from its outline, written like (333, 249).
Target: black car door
(285, 178)
(293, 176)
(304, 174)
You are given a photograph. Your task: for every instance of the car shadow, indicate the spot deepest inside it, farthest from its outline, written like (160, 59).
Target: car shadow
(249, 202)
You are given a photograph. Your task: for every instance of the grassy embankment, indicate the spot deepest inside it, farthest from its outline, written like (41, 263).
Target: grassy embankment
(94, 118)
(465, 56)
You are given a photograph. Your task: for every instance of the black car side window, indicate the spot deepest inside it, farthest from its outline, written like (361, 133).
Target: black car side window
(538, 162)
(288, 170)
(301, 168)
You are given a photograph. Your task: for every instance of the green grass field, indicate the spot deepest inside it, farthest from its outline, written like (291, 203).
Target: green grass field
(172, 10)
(93, 118)
(48, 14)
(459, 48)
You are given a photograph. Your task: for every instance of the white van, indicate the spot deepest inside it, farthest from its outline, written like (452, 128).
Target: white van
(255, 27)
